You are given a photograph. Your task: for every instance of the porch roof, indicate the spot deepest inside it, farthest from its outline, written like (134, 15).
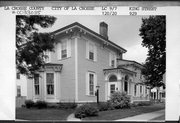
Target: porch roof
(120, 68)
(130, 62)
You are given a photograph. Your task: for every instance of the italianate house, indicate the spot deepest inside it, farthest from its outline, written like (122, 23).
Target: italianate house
(82, 61)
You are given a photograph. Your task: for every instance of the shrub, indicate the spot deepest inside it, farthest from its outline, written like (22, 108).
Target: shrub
(41, 104)
(69, 105)
(86, 110)
(29, 103)
(104, 106)
(144, 103)
(120, 100)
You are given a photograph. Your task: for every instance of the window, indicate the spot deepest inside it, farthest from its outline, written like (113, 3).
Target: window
(50, 83)
(135, 90)
(126, 83)
(112, 88)
(36, 84)
(112, 63)
(47, 56)
(18, 91)
(91, 83)
(140, 89)
(64, 50)
(91, 52)
(17, 75)
(163, 95)
(120, 55)
(112, 78)
(112, 60)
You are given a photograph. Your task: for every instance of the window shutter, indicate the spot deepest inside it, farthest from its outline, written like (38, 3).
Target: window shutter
(59, 51)
(95, 53)
(87, 83)
(69, 48)
(87, 49)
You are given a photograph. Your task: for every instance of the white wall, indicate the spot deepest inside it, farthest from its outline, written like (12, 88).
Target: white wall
(23, 83)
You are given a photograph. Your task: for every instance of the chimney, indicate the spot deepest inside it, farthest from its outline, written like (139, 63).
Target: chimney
(103, 29)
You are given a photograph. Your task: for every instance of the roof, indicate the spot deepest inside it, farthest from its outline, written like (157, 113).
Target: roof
(121, 69)
(76, 24)
(133, 62)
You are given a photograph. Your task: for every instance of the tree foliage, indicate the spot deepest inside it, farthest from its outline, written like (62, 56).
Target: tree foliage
(153, 33)
(31, 44)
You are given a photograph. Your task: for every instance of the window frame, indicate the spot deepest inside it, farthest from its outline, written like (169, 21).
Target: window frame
(64, 48)
(91, 50)
(18, 91)
(52, 94)
(89, 83)
(112, 59)
(48, 58)
(135, 90)
(36, 84)
(141, 89)
(18, 76)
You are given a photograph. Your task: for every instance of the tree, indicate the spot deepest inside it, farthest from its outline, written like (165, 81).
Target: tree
(31, 44)
(153, 33)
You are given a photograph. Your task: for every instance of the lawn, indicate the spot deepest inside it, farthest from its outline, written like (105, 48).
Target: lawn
(42, 114)
(122, 113)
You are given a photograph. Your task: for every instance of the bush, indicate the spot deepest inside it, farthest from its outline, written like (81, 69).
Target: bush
(86, 111)
(41, 104)
(104, 106)
(29, 103)
(120, 100)
(69, 105)
(143, 103)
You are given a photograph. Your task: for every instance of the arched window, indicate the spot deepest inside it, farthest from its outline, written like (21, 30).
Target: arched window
(112, 78)
(126, 83)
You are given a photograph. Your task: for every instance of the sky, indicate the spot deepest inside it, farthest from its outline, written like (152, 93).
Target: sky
(122, 30)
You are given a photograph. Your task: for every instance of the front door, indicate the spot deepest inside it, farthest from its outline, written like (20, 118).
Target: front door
(112, 87)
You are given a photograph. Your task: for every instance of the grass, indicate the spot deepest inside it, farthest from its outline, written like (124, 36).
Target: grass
(122, 113)
(42, 114)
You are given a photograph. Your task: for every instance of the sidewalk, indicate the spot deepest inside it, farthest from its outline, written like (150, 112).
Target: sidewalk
(144, 117)
(71, 117)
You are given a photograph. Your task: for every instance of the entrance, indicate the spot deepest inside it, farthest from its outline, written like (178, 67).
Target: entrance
(112, 85)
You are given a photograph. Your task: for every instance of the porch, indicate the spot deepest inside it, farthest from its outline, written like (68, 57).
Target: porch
(123, 80)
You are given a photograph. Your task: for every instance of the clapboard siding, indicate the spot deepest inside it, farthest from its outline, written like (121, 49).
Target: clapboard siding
(85, 65)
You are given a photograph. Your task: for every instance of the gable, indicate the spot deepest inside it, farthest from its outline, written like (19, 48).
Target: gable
(78, 29)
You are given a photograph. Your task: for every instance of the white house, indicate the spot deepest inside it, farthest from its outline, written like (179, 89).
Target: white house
(83, 60)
